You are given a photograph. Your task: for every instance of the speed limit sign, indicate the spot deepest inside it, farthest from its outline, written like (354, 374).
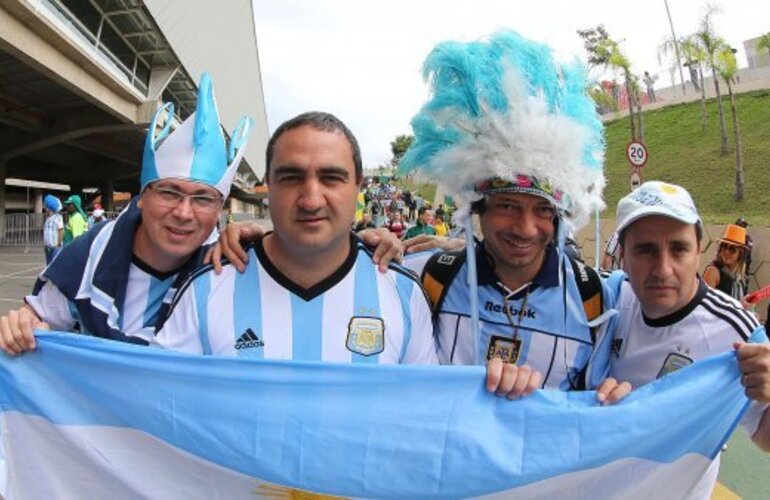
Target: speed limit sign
(636, 153)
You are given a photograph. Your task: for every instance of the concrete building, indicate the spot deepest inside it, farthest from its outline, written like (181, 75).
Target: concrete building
(81, 79)
(756, 58)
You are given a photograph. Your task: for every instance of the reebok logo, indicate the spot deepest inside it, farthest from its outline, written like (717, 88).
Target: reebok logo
(248, 340)
(583, 273)
(491, 306)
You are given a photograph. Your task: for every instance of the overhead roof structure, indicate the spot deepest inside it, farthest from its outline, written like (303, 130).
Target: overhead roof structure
(80, 80)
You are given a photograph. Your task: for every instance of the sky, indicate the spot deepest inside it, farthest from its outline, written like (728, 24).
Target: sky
(361, 59)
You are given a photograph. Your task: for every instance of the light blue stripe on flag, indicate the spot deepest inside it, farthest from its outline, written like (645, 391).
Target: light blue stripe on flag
(247, 310)
(306, 321)
(366, 301)
(405, 290)
(349, 430)
(202, 286)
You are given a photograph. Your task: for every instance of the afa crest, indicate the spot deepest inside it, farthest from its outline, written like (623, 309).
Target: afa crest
(366, 335)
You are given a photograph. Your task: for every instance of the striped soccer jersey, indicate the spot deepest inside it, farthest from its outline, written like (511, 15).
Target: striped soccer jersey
(542, 324)
(98, 287)
(645, 349)
(355, 315)
(146, 292)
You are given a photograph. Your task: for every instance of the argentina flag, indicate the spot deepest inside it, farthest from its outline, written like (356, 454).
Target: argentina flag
(83, 417)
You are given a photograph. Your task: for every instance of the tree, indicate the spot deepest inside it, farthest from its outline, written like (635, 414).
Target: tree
(605, 52)
(713, 44)
(694, 56)
(764, 43)
(728, 67)
(398, 147)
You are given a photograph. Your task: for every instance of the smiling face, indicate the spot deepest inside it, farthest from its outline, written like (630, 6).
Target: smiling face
(169, 235)
(517, 229)
(313, 189)
(661, 257)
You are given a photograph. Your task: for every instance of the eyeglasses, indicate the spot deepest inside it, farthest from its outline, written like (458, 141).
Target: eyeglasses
(731, 249)
(171, 198)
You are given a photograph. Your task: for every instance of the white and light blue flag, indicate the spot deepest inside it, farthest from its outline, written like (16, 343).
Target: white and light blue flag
(88, 418)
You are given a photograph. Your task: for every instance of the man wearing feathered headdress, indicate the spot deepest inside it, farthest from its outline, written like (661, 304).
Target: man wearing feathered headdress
(515, 138)
(115, 280)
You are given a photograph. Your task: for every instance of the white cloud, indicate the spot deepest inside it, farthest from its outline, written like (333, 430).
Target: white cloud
(361, 59)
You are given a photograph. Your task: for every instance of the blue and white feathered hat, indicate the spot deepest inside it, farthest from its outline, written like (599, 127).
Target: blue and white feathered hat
(196, 151)
(503, 116)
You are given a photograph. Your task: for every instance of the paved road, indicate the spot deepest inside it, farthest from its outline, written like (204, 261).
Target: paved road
(744, 469)
(18, 269)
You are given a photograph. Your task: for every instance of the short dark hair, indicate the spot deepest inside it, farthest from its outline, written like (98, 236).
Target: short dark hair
(318, 120)
(422, 210)
(698, 234)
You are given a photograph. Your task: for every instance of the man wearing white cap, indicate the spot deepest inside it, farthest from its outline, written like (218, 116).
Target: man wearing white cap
(114, 281)
(670, 318)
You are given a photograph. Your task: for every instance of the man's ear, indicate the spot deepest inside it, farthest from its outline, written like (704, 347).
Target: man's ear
(621, 254)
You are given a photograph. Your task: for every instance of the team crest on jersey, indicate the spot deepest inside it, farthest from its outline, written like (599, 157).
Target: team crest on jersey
(674, 361)
(505, 348)
(366, 335)
(446, 260)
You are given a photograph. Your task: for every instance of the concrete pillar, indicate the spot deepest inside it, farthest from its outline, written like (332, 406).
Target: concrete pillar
(108, 193)
(38, 201)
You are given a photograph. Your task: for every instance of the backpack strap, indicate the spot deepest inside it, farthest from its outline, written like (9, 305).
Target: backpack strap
(438, 274)
(590, 286)
(591, 294)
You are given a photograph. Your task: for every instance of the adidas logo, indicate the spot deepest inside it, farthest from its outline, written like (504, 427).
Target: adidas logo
(248, 340)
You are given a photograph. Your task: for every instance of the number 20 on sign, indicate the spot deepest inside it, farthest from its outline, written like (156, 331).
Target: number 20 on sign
(636, 153)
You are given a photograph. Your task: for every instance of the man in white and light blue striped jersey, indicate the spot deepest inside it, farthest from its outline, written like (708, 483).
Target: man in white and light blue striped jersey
(115, 281)
(310, 290)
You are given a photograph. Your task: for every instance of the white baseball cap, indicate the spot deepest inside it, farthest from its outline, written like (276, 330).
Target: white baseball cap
(657, 198)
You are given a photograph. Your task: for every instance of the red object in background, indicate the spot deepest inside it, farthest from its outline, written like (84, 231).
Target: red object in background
(760, 294)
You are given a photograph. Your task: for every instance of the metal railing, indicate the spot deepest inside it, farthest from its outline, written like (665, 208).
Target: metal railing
(21, 230)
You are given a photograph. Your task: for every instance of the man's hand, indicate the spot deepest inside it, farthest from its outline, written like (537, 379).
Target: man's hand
(754, 363)
(235, 236)
(17, 330)
(387, 247)
(511, 381)
(610, 391)
(424, 242)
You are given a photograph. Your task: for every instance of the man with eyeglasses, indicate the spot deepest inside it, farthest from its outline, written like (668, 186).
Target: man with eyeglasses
(115, 281)
(310, 290)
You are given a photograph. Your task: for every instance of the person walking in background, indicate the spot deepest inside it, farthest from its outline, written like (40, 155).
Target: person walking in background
(727, 271)
(441, 227)
(97, 216)
(396, 224)
(76, 220)
(53, 227)
(649, 81)
(422, 226)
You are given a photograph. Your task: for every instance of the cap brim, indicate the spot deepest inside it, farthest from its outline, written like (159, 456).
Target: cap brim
(647, 211)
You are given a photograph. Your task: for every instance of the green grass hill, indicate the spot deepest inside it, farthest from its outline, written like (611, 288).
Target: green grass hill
(682, 152)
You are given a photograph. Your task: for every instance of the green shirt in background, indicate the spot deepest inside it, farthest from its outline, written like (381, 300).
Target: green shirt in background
(75, 226)
(419, 229)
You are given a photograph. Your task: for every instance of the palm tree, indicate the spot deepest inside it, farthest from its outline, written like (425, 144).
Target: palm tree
(604, 51)
(712, 44)
(728, 67)
(694, 55)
